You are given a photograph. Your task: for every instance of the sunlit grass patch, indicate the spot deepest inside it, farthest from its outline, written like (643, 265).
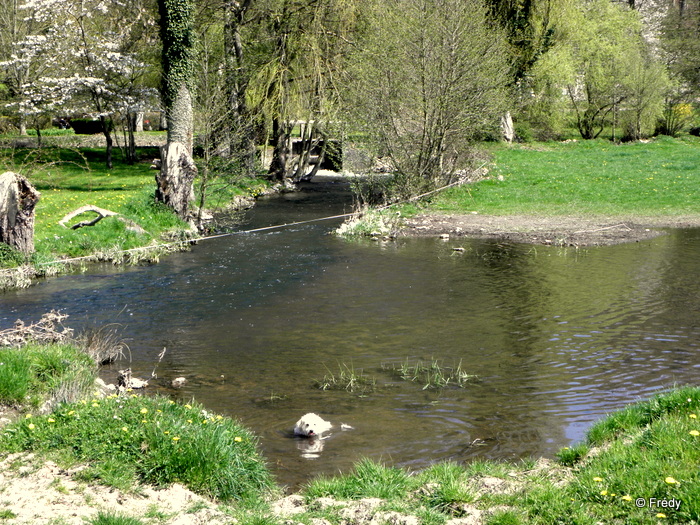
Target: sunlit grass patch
(148, 440)
(586, 178)
(369, 479)
(34, 373)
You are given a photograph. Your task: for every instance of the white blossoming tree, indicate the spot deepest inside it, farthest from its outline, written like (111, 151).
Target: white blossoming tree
(80, 61)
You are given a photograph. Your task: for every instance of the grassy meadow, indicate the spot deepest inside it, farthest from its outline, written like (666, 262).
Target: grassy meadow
(69, 178)
(660, 177)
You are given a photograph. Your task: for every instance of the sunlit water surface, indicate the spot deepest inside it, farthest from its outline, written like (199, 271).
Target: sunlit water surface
(557, 337)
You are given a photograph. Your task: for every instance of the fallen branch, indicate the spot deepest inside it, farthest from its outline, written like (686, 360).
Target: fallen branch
(49, 329)
(101, 214)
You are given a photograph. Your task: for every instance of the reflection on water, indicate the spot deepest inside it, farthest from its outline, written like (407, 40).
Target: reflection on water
(557, 337)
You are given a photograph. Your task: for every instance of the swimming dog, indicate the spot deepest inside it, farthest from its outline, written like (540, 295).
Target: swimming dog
(311, 425)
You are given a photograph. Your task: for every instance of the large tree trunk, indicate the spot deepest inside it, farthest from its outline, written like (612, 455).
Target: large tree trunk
(174, 181)
(177, 172)
(17, 201)
(242, 136)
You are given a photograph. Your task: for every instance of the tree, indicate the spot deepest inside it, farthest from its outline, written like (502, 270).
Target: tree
(429, 76)
(77, 60)
(177, 172)
(610, 62)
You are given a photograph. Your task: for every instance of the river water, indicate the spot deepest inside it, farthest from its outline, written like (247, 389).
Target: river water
(557, 337)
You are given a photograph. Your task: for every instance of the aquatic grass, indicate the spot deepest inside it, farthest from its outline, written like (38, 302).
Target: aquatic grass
(347, 378)
(432, 374)
(149, 440)
(655, 178)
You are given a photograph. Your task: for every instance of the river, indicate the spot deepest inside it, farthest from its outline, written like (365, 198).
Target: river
(556, 337)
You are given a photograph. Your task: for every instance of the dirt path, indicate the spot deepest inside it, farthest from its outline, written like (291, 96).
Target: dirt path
(559, 231)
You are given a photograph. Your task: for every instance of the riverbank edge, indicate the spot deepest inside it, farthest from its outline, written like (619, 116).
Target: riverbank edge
(545, 230)
(450, 493)
(27, 275)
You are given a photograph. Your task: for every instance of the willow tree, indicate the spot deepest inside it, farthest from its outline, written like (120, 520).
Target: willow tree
(177, 172)
(302, 44)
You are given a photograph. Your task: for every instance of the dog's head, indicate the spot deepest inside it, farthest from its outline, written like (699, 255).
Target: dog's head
(311, 425)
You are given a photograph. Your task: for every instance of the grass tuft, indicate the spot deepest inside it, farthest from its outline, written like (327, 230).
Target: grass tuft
(348, 378)
(34, 374)
(432, 375)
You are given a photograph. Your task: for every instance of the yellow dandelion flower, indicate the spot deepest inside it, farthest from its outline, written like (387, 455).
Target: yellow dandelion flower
(166, 432)
(159, 411)
(627, 497)
(694, 433)
(71, 412)
(171, 401)
(219, 418)
(51, 420)
(188, 406)
(671, 481)
(144, 421)
(238, 439)
(125, 429)
(189, 421)
(693, 416)
(660, 515)
(95, 404)
(205, 422)
(144, 411)
(176, 438)
(598, 479)
(27, 416)
(30, 426)
(603, 492)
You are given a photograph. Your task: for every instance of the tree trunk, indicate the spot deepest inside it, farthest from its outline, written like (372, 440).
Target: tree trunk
(242, 136)
(280, 136)
(17, 201)
(174, 181)
(108, 139)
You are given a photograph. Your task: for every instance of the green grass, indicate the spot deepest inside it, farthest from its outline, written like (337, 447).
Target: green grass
(658, 178)
(34, 373)
(648, 451)
(431, 374)
(347, 378)
(128, 440)
(71, 178)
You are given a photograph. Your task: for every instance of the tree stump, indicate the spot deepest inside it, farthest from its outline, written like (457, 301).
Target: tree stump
(17, 201)
(174, 181)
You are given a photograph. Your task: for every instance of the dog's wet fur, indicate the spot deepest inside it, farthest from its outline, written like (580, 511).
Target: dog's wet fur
(311, 425)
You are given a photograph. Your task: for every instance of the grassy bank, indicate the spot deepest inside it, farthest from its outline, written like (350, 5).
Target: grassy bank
(581, 178)
(638, 465)
(70, 178)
